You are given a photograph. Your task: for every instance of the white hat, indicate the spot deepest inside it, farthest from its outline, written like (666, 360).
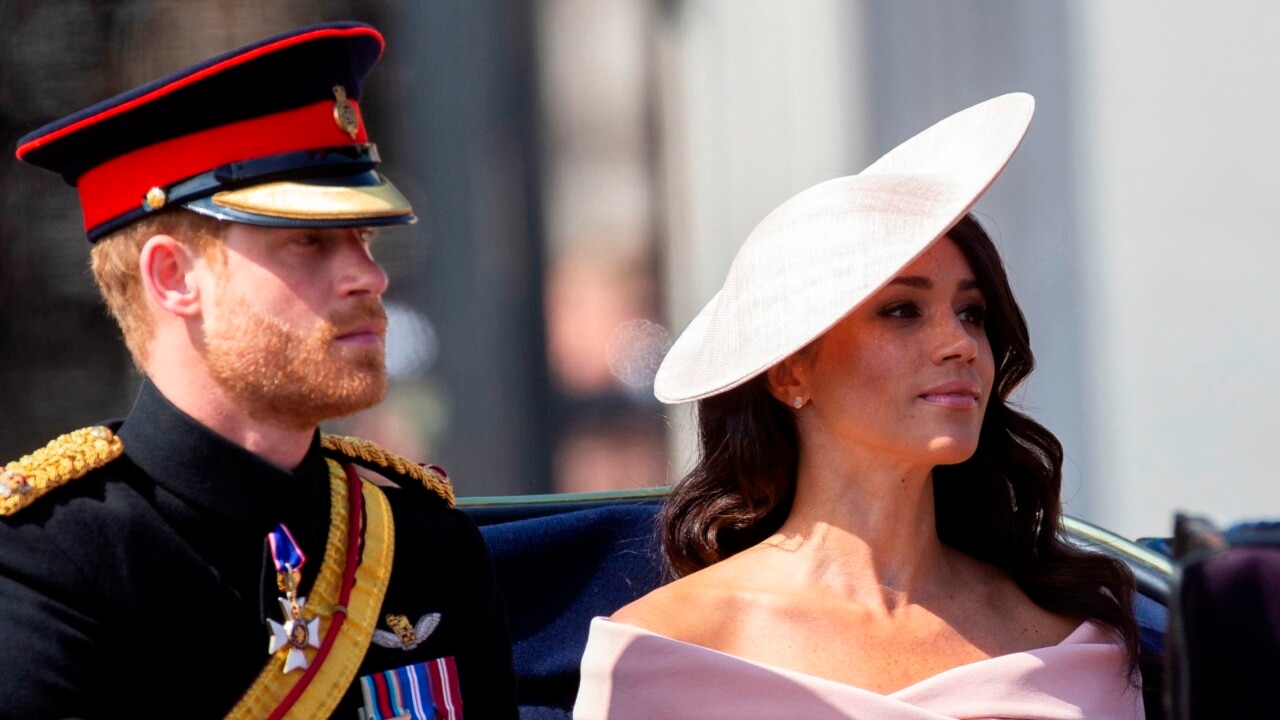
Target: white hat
(823, 252)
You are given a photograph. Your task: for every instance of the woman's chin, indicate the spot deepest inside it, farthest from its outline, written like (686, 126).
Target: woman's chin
(948, 450)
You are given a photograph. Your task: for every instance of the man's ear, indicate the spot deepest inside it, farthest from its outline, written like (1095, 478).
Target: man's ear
(167, 268)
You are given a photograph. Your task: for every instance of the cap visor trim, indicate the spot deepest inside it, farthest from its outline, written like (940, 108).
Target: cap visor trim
(305, 201)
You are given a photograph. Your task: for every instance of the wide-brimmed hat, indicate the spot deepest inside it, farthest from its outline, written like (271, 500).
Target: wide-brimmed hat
(823, 252)
(266, 134)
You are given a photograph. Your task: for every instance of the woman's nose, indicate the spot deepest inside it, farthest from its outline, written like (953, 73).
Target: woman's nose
(955, 341)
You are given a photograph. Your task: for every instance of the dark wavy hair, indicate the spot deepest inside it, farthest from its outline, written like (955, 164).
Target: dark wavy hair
(1001, 506)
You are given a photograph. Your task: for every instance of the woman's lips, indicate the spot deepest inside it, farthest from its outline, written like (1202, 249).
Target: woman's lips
(960, 395)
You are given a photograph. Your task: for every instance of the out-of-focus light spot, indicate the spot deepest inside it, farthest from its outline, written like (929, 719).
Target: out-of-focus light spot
(635, 349)
(412, 343)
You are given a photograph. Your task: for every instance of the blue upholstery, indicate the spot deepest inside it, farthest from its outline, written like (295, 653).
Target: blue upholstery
(558, 571)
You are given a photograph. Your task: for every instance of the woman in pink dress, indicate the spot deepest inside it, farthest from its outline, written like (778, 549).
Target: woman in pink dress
(872, 530)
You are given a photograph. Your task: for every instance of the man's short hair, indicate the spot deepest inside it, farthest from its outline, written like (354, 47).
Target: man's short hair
(115, 263)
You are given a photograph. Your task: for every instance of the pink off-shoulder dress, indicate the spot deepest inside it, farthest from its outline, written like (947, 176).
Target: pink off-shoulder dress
(633, 674)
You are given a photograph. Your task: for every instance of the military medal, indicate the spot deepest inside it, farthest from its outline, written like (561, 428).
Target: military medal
(295, 633)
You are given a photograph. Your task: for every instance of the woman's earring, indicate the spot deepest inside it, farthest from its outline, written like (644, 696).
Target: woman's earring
(798, 402)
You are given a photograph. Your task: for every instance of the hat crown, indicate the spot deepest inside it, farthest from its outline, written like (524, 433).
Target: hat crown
(241, 83)
(825, 250)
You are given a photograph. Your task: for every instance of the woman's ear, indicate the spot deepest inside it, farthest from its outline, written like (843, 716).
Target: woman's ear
(787, 380)
(166, 267)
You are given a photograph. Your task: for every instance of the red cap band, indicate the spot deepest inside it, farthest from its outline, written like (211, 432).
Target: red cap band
(119, 185)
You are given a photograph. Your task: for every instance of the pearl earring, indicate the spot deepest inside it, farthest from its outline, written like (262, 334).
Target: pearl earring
(798, 402)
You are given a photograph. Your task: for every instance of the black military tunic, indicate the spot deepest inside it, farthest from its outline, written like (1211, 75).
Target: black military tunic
(143, 589)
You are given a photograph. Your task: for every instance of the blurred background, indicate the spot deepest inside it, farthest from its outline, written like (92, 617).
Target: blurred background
(584, 171)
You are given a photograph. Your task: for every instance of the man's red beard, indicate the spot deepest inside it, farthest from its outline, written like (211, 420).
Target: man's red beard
(294, 376)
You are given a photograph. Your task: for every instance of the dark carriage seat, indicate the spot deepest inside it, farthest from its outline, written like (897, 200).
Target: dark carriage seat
(562, 560)
(1224, 630)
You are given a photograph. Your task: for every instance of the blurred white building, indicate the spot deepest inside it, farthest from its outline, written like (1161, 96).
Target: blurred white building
(1137, 220)
(608, 157)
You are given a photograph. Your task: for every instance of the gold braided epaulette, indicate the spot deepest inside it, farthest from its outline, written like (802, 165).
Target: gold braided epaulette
(368, 454)
(69, 457)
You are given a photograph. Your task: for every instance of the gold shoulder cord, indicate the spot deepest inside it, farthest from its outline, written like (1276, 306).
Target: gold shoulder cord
(369, 455)
(65, 459)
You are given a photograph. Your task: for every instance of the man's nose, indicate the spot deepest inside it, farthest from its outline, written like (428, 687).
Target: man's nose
(361, 273)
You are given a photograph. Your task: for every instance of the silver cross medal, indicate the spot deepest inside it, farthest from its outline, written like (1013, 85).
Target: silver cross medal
(295, 633)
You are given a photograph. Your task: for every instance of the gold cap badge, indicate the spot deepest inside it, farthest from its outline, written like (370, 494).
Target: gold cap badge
(345, 112)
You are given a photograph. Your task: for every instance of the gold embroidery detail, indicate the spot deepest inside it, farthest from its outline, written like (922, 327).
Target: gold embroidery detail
(363, 452)
(65, 459)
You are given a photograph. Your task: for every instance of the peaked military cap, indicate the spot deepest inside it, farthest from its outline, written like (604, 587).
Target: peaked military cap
(268, 134)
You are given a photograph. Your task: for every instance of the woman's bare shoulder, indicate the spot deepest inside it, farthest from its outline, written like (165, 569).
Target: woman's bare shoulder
(694, 608)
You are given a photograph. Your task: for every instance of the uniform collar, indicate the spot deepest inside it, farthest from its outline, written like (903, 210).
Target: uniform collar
(205, 469)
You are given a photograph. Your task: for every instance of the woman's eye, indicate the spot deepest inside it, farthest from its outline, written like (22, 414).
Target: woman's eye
(903, 310)
(973, 314)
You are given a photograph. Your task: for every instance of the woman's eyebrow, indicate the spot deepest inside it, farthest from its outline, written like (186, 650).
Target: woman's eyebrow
(920, 282)
(913, 281)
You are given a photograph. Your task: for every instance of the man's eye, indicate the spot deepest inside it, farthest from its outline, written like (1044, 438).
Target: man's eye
(307, 240)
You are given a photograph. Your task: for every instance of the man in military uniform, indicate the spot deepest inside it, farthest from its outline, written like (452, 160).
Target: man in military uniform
(213, 554)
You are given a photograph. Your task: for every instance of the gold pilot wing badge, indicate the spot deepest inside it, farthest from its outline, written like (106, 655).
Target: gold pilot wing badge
(403, 635)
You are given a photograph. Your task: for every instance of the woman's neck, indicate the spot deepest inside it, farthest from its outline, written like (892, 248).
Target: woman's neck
(863, 528)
